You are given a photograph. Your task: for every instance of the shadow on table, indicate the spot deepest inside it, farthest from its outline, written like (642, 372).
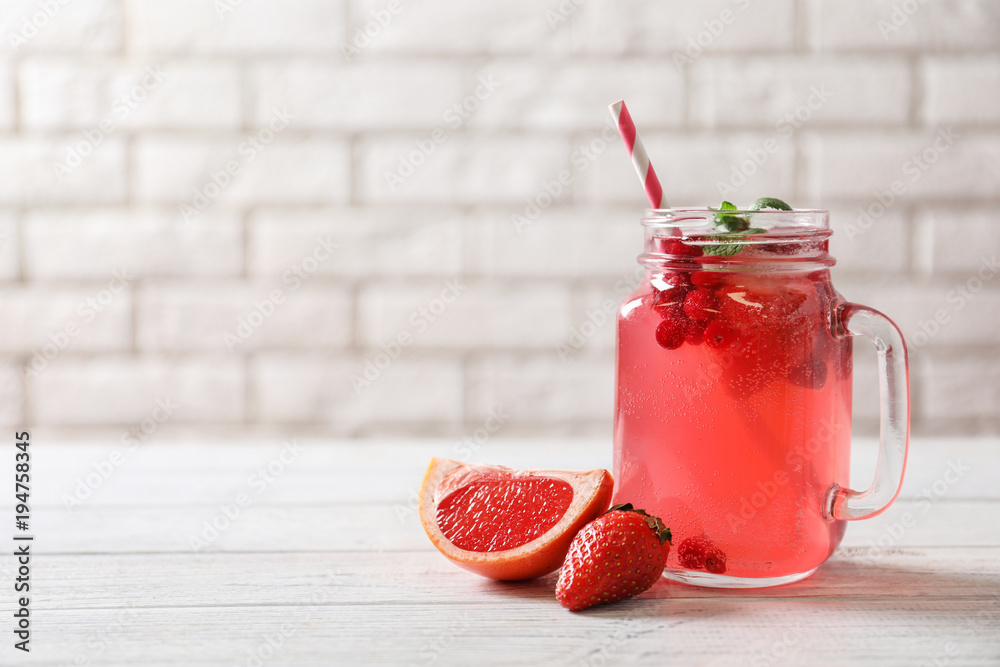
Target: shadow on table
(916, 587)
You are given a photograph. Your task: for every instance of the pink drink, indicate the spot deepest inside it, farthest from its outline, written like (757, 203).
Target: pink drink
(733, 407)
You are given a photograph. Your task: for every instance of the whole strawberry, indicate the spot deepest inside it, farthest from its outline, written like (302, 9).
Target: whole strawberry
(616, 556)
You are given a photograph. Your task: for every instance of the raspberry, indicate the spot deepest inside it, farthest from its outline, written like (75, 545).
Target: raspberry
(700, 305)
(678, 279)
(699, 553)
(810, 374)
(695, 333)
(719, 336)
(670, 332)
(715, 561)
(669, 302)
(785, 248)
(678, 247)
(708, 278)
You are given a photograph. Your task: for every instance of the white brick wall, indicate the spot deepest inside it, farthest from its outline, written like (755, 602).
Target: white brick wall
(465, 169)
(10, 263)
(949, 25)
(763, 91)
(116, 115)
(89, 27)
(696, 163)
(371, 242)
(252, 28)
(28, 175)
(324, 94)
(959, 394)
(955, 240)
(962, 89)
(89, 317)
(315, 388)
(65, 93)
(117, 390)
(89, 243)
(189, 316)
(461, 313)
(541, 389)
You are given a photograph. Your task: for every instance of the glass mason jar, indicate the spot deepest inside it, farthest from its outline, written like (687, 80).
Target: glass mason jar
(733, 396)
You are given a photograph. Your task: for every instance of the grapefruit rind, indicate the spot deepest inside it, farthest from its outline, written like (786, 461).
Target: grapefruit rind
(591, 497)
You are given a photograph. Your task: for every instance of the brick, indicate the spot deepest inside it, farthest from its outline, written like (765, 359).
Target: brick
(88, 243)
(543, 389)
(262, 27)
(956, 240)
(883, 24)
(484, 314)
(9, 241)
(8, 85)
(125, 390)
(563, 95)
(470, 169)
(696, 169)
(92, 317)
(687, 31)
(372, 242)
(238, 317)
(109, 94)
(311, 388)
(287, 170)
(444, 27)
(960, 388)
(324, 95)
(861, 243)
(595, 316)
(933, 316)
(785, 93)
(961, 89)
(64, 27)
(861, 165)
(11, 395)
(865, 408)
(574, 242)
(30, 170)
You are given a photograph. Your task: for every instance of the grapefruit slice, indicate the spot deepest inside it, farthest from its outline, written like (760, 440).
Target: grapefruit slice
(508, 524)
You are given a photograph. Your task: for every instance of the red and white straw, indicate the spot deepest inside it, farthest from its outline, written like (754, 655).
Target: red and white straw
(640, 159)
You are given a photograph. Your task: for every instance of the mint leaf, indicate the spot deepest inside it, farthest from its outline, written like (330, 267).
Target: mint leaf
(722, 250)
(729, 223)
(770, 202)
(729, 244)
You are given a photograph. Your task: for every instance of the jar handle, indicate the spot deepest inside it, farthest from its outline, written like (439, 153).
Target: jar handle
(852, 319)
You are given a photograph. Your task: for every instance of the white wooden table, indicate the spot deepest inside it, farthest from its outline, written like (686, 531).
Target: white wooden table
(325, 563)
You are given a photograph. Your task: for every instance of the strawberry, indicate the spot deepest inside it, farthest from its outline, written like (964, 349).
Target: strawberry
(616, 556)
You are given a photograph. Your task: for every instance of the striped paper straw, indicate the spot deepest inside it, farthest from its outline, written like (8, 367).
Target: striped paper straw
(640, 159)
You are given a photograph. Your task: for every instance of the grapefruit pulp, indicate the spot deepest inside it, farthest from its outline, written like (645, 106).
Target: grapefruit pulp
(508, 524)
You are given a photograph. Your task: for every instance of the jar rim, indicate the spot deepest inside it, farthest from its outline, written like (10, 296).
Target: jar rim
(703, 220)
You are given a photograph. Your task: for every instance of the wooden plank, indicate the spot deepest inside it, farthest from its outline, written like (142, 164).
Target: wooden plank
(168, 474)
(357, 578)
(94, 529)
(508, 629)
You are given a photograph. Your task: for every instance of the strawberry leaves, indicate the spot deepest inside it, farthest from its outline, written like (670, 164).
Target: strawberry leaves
(654, 522)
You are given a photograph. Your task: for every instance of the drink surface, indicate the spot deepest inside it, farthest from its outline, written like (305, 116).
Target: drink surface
(732, 416)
